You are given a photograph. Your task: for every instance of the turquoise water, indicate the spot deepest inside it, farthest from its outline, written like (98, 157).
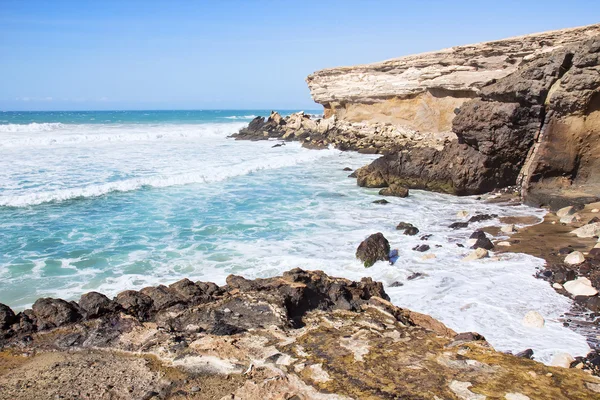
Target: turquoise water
(110, 201)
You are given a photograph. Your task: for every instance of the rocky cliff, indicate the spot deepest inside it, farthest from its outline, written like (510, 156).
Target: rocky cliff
(303, 335)
(536, 127)
(421, 92)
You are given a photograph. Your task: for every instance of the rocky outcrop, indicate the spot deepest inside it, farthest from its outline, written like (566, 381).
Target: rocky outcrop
(535, 127)
(421, 92)
(372, 138)
(303, 335)
(374, 248)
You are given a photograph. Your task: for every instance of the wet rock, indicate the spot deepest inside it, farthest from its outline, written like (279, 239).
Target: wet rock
(396, 284)
(478, 235)
(421, 247)
(135, 303)
(162, 297)
(588, 231)
(565, 211)
(394, 190)
(347, 169)
(189, 291)
(458, 225)
(414, 276)
(7, 317)
(95, 304)
(382, 201)
(508, 228)
(476, 255)
(574, 258)
(426, 237)
(533, 319)
(483, 243)
(409, 229)
(375, 248)
(482, 217)
(580, 287)
(52, 313)
(562, 360)
(565, 250)
(528, 353)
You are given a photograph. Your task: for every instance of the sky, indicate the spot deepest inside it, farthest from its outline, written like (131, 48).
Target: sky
(228, 54)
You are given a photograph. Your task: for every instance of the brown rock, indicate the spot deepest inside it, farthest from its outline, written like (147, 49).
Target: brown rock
(374, 248)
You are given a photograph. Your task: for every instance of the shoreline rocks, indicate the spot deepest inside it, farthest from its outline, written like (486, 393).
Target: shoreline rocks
(300, 335)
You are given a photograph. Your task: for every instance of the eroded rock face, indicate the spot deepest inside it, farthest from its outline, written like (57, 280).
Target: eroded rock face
(421, 91)
(302, 335)
(535, 127)
(374, 248)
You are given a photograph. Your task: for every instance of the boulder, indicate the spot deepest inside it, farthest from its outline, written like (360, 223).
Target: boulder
(580, 287)
(458, 225)
(574, 258)
(562, 360)
(533, 319)
(162, 297)
(374, 248)
(565, 211)
(188, 291)
(476, 255)
(483, 243)
(409, 229)
(51, 313)
(394, 190)
(95, 304)
(588, 230)
(508, 228)
(382, 201)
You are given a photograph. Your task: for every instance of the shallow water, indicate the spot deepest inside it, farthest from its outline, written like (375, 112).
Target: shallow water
(123, 205)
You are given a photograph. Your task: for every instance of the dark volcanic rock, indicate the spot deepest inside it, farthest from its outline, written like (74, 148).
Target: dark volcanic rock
(189, 291)
(51, 313)
(458, 225)
(135, 303)
(95, 304)
(394, 190)
(7, 317)
(162, 297)
(382, 201)
(374, 248)
(421, 247)
(483, 243)
(557, 95)
(409, 229)
(478, 235)
(482, 217)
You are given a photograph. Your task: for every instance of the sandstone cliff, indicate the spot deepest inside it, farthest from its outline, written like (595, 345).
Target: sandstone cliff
(421, 92)
(303, 335)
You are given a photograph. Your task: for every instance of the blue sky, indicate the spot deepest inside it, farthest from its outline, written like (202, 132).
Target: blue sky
(66, 55)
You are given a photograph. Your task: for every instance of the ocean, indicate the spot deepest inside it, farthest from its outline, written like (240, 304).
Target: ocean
(114, 200)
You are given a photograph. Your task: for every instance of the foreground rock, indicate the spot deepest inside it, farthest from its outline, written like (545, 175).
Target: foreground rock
(303, 335)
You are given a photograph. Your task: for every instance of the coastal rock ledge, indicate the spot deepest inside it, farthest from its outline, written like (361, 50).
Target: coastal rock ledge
(467, 120)
(302, 335)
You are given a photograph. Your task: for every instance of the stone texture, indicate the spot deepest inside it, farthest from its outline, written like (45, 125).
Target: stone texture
(374, 248)
(422, 91)
(302, 335)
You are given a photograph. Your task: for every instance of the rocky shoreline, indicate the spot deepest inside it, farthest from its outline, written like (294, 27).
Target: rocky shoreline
(303, 335)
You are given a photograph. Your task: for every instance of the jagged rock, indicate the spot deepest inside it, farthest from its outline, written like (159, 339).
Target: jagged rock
(135, 303)
(458, 225)
(162, 297)
(354, 344)
(95, 304)
(7, 317)
(483, 243)
(189, 291)
(394, 190)
(482, 217)
(51, 313)
(374, 248)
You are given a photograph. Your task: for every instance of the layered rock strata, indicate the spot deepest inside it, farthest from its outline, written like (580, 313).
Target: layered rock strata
(536, 127)
(303, 335)
(421, 92)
